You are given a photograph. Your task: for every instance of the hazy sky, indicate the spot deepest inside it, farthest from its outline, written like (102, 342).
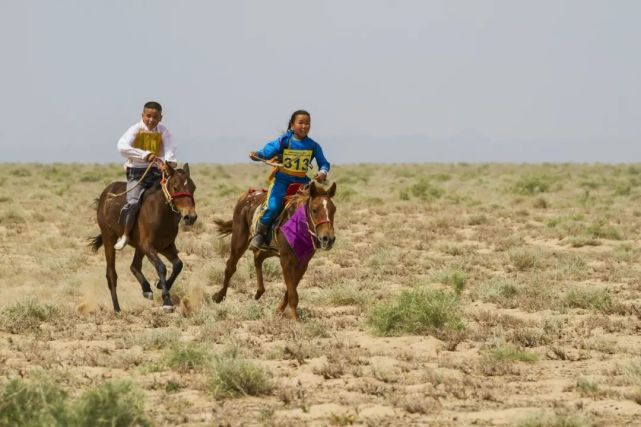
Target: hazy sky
(385, 81)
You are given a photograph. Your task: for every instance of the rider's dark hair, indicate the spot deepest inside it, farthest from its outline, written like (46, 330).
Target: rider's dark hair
(154, 106)
(294, 115)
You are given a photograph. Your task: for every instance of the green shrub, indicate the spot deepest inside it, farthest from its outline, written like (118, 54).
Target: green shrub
(498, 291)
(418, 311)
(33, 404)
(187, 357)
(534, 184)
(42, 403)
(507, 352)
(588, 387)
(112, 404)
(603, 231)
(597, 300)
(425, 190)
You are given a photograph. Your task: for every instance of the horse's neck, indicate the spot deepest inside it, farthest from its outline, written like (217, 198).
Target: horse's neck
(156, 196)
(292, 207)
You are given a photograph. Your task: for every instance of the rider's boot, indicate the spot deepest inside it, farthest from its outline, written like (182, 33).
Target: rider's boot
(259, 241)
(129, 218)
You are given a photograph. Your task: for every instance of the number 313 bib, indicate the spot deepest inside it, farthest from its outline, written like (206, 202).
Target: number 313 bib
(296, 161)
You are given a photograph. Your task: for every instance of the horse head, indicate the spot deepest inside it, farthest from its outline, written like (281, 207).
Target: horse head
(180, 192)
(321, 213)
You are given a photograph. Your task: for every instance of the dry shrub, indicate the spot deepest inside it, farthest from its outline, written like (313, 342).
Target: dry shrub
(232, 376)
(418, 403)
(27, 316)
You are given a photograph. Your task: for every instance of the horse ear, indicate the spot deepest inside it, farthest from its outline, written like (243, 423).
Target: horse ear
(332, 190)
(186, 169)
(313, 191)
(168, 168)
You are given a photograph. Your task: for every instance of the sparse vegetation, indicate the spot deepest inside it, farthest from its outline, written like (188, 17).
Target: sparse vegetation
(451, 289)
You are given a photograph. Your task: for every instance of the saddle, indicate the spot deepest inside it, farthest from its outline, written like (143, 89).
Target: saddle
(292, 190)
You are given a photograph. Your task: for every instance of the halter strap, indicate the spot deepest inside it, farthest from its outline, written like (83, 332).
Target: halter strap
(171, 196)
(313, 234)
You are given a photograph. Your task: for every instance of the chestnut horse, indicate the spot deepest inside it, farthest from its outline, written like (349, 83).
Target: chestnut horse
(162, 208)
(319, 215)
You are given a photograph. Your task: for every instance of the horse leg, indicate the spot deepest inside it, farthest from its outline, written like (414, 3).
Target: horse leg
(152, 255)
(292, 274)
(283, 304)
(239, 244)
(112, 276)
(259, 257)
(171, 253)
(136, 265)
(289, 272)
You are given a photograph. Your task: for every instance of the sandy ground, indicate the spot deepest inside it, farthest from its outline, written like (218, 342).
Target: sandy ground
(543, 260)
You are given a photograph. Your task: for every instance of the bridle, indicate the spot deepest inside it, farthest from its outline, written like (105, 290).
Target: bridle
(170, 197)
(313, 233)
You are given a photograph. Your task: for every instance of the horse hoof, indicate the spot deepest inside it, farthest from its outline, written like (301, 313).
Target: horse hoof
(217, 298)
(258, 295)
(168, 308)
(148, 295)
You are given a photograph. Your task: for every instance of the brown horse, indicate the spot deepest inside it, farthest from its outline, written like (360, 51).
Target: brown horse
(162, 208)
(319, 215)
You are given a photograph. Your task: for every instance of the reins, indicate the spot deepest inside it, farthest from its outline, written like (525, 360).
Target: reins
(170, 197)
(137, 183)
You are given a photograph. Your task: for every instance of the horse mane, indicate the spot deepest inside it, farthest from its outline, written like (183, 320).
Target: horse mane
(301, 196)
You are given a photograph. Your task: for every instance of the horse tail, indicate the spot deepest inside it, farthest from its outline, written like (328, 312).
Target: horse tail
(224, 227)
(95, 242)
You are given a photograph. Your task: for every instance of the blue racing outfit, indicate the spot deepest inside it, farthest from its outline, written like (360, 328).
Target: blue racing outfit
(296, 157)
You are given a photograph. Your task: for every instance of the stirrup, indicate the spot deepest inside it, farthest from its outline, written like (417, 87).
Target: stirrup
(258, 242)
(121, 243)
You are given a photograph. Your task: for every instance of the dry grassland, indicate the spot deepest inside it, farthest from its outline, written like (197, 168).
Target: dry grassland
(503, 295)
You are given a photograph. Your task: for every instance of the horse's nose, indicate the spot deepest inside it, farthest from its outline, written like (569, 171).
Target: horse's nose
(327, 241)
(190, 219)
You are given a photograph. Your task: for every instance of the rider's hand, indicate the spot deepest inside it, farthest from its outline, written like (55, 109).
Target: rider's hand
(254, 156)
(151, 157)
(320, 177)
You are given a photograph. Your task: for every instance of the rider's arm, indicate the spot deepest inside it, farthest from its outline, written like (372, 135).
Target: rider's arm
(323, 164)
(126, 144)
(270, 150)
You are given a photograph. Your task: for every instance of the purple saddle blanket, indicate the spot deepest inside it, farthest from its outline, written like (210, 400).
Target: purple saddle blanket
(296, 232)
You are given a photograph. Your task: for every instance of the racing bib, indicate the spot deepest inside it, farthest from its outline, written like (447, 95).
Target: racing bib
(296, 162)
(149, 141)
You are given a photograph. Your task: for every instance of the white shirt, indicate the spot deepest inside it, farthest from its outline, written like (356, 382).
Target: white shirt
(135, 156)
